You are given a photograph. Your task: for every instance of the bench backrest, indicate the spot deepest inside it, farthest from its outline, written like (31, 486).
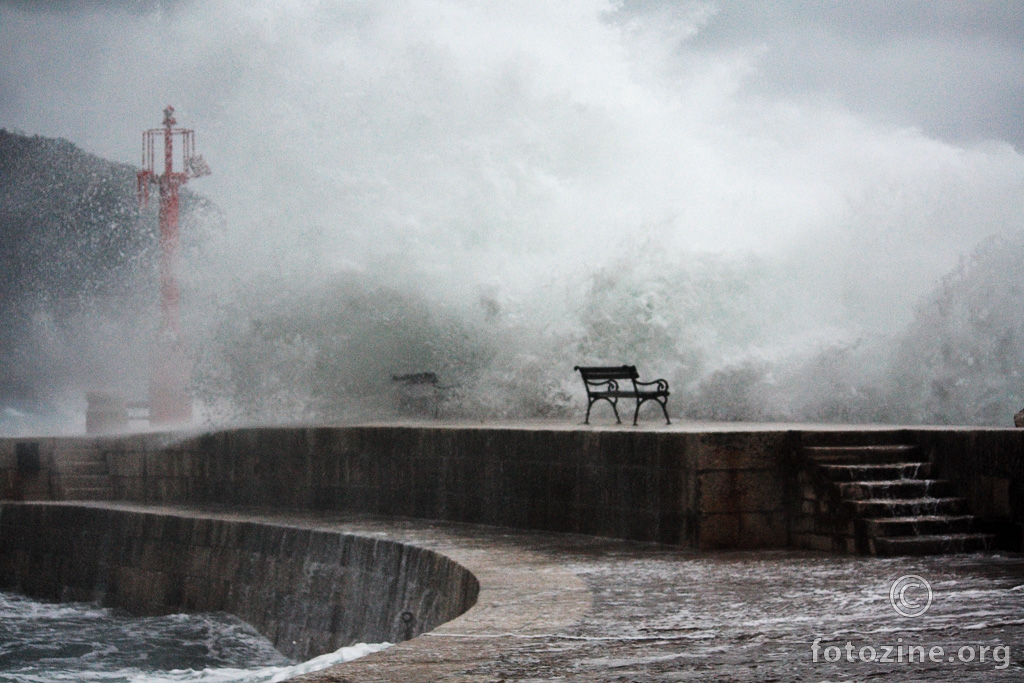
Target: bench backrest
(602, 373)
(415, 378)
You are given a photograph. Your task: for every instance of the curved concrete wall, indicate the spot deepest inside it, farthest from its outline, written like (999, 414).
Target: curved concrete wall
(308, 591)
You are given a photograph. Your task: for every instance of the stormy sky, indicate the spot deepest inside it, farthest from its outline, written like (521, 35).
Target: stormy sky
(494, 143)
(747, 179)
(954, 69)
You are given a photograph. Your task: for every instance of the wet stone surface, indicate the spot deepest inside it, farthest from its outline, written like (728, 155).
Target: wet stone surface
(560, 607)
(660, 615)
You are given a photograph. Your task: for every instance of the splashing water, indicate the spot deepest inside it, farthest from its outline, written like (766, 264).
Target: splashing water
(498, 192)
(74, 641)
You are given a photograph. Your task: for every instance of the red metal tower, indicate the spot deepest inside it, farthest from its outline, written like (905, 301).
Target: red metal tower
(170, 369)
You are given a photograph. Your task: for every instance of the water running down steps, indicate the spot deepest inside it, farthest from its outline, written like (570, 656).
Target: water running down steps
(881, 500)
(83, 475)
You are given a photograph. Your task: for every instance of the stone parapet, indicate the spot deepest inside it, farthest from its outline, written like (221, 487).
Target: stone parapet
(309, 591)
(708, 489)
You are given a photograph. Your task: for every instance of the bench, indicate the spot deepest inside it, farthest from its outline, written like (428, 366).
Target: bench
(602, 382)
(421, 393)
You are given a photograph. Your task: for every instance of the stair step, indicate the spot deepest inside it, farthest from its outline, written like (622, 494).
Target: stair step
(889, 504)
(923, 525)
(78, 467)
(84, 480)
(906, 507)
(930, 545)
(895, 489)
(889, 471)
(860, 455)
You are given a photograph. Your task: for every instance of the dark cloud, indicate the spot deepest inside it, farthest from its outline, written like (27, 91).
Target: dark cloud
(869, 20)
(954, 69)
(75, 6)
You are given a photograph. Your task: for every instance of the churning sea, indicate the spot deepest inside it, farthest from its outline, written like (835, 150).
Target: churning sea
(45, 642)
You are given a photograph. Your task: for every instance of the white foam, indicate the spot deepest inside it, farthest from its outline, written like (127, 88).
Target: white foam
(269, 674)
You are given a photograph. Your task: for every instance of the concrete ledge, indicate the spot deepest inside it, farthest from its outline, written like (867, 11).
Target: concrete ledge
(47, 550)
(647, 485)
(309, 588)
(697, 486)
(577, 608)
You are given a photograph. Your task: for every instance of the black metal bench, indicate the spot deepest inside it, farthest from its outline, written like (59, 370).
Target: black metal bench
(421, 393)
(602, 382)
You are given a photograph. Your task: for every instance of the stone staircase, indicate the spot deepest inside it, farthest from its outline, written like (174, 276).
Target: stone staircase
(83, 476)
(880, 500)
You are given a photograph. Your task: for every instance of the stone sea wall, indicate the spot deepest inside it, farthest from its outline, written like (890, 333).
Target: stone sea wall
(724, 490)
(709, 490)
(715, 490)
(986, 467)
(308, 591)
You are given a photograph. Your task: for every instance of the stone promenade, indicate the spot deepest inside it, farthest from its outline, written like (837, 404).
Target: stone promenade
(556, 607)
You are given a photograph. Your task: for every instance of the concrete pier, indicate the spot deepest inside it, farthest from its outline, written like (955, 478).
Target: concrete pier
(592, 553)
(556, 607)
(308, 591)
(695, 486)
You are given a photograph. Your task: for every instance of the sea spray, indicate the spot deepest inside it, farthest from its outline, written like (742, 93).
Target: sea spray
(77, 641)
(496, 193)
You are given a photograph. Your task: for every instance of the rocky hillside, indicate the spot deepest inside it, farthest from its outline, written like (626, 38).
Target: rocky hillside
(77, 263)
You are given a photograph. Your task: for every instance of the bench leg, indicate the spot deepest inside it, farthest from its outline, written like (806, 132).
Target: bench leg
(614, 409)
(590, 405)
(664, 409)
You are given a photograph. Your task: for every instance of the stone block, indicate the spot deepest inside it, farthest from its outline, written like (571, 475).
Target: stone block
(802, 524)
(195, 593)
(990, 497)
(671, 528)
(740, 450)
(8, 460)
(813, 542)
(198, 561)
(633, 487)
(765, 529)
(156, 554)
(35, 485)
(125, 464)
(9, 489)
(561, 483)
(722, 531)
(742, 531)
(224, 563)
(639, 525)
(735, 491)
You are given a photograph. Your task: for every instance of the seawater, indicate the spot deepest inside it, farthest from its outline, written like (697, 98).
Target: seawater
(44, 642)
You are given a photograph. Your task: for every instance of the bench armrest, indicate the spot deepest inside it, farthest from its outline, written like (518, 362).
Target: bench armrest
(662, 384)
(611, 384)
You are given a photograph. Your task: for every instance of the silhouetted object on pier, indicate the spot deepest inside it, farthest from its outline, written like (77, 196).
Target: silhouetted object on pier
(421, 393)
(602, 383)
